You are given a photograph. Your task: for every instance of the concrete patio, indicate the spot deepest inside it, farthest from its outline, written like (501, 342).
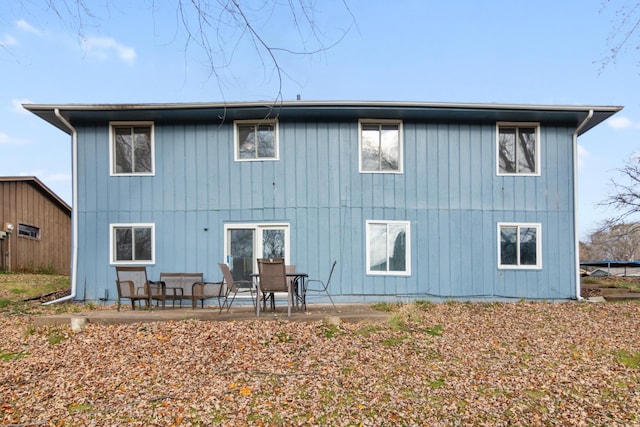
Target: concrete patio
(106, 316)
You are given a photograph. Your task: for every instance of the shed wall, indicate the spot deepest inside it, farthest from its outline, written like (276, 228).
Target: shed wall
(21, 202)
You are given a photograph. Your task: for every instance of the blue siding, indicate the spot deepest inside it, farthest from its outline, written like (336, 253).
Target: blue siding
(449, 192)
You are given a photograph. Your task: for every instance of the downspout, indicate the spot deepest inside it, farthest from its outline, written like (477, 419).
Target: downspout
(575, 202)
(74, 210)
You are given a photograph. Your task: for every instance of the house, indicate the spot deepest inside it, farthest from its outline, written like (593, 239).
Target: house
(414, 200)
(35, 227)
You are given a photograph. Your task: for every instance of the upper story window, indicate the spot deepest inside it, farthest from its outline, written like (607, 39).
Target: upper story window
(518, 148)
(256, 139)
(380, 144)
(388, 248)
(132, 243)
(519, 246)
(132, 148)
(31, 231)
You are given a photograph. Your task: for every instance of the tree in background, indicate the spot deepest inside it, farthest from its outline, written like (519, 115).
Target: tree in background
(626, 29)
(214, 31)
(618, 238)
(619, 242)
(625, 192)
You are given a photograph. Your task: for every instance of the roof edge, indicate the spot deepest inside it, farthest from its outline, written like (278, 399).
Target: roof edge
(266, 104)
(42, 186)
(49, 112)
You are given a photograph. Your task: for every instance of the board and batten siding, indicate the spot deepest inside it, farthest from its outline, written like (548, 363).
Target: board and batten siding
(24, 202)
(449, 192)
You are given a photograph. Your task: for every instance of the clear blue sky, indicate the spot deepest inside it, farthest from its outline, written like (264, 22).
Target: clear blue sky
(543, 52)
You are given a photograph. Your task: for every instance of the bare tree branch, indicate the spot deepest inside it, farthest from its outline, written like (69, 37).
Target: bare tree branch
(626, 27)
(614, 241)
(625, 193)
(219, 28)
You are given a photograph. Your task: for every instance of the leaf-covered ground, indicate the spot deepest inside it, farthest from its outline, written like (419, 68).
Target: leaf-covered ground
(432, 364)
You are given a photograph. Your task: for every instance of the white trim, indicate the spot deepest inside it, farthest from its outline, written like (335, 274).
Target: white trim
(276, 140)
(535, 125)
(112, 169)
(74, 211)
(576, 237)
(538, 227)
(112, 252)
(400, 169)
(407, 271)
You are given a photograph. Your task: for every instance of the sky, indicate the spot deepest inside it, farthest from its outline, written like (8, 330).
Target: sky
(503, 51)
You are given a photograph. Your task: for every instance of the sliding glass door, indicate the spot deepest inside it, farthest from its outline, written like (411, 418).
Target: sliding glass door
(245, 243)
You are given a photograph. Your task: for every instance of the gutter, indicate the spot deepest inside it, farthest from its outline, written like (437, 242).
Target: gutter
(74, 210)
(326, 104)
(575, 202)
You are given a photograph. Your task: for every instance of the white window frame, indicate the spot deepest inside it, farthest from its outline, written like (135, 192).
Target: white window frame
(112, 156)
(518, 266)
(400, 169)
(276, 140)
(388, 272)
(517, 125)
(112, 243)
(258, 248)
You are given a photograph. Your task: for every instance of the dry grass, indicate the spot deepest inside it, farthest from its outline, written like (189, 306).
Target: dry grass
(629, 283)
(18, 287)
(455, 363)
(431, 364)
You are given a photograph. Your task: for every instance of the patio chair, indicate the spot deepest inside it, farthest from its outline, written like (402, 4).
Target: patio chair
(234, 287)
(201, 291)
(179, 286)
(273, 278)
(320, 286)
(289, 269)
(132, 283)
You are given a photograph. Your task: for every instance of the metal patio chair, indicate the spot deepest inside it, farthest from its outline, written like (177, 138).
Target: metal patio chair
(273, 278)
(320, 286)
(201, 291)
(132, 283)
(234, 287)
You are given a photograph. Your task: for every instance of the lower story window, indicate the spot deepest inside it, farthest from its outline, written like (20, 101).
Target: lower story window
(388, 248)
(519, 245)
(132, 243)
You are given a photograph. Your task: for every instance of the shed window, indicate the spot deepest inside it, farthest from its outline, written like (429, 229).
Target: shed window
(256, 140)
(519, 246)
(132, 149)
(132, 243)
(388, 248)
(380, 146)
(31, 231)
(518, 148)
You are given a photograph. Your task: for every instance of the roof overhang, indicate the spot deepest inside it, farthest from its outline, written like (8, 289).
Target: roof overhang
(77, 114)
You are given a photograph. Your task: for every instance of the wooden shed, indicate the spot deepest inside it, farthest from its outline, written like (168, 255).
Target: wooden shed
(35, 227)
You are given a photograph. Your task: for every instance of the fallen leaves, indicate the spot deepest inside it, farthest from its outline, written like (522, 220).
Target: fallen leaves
(434, 364)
